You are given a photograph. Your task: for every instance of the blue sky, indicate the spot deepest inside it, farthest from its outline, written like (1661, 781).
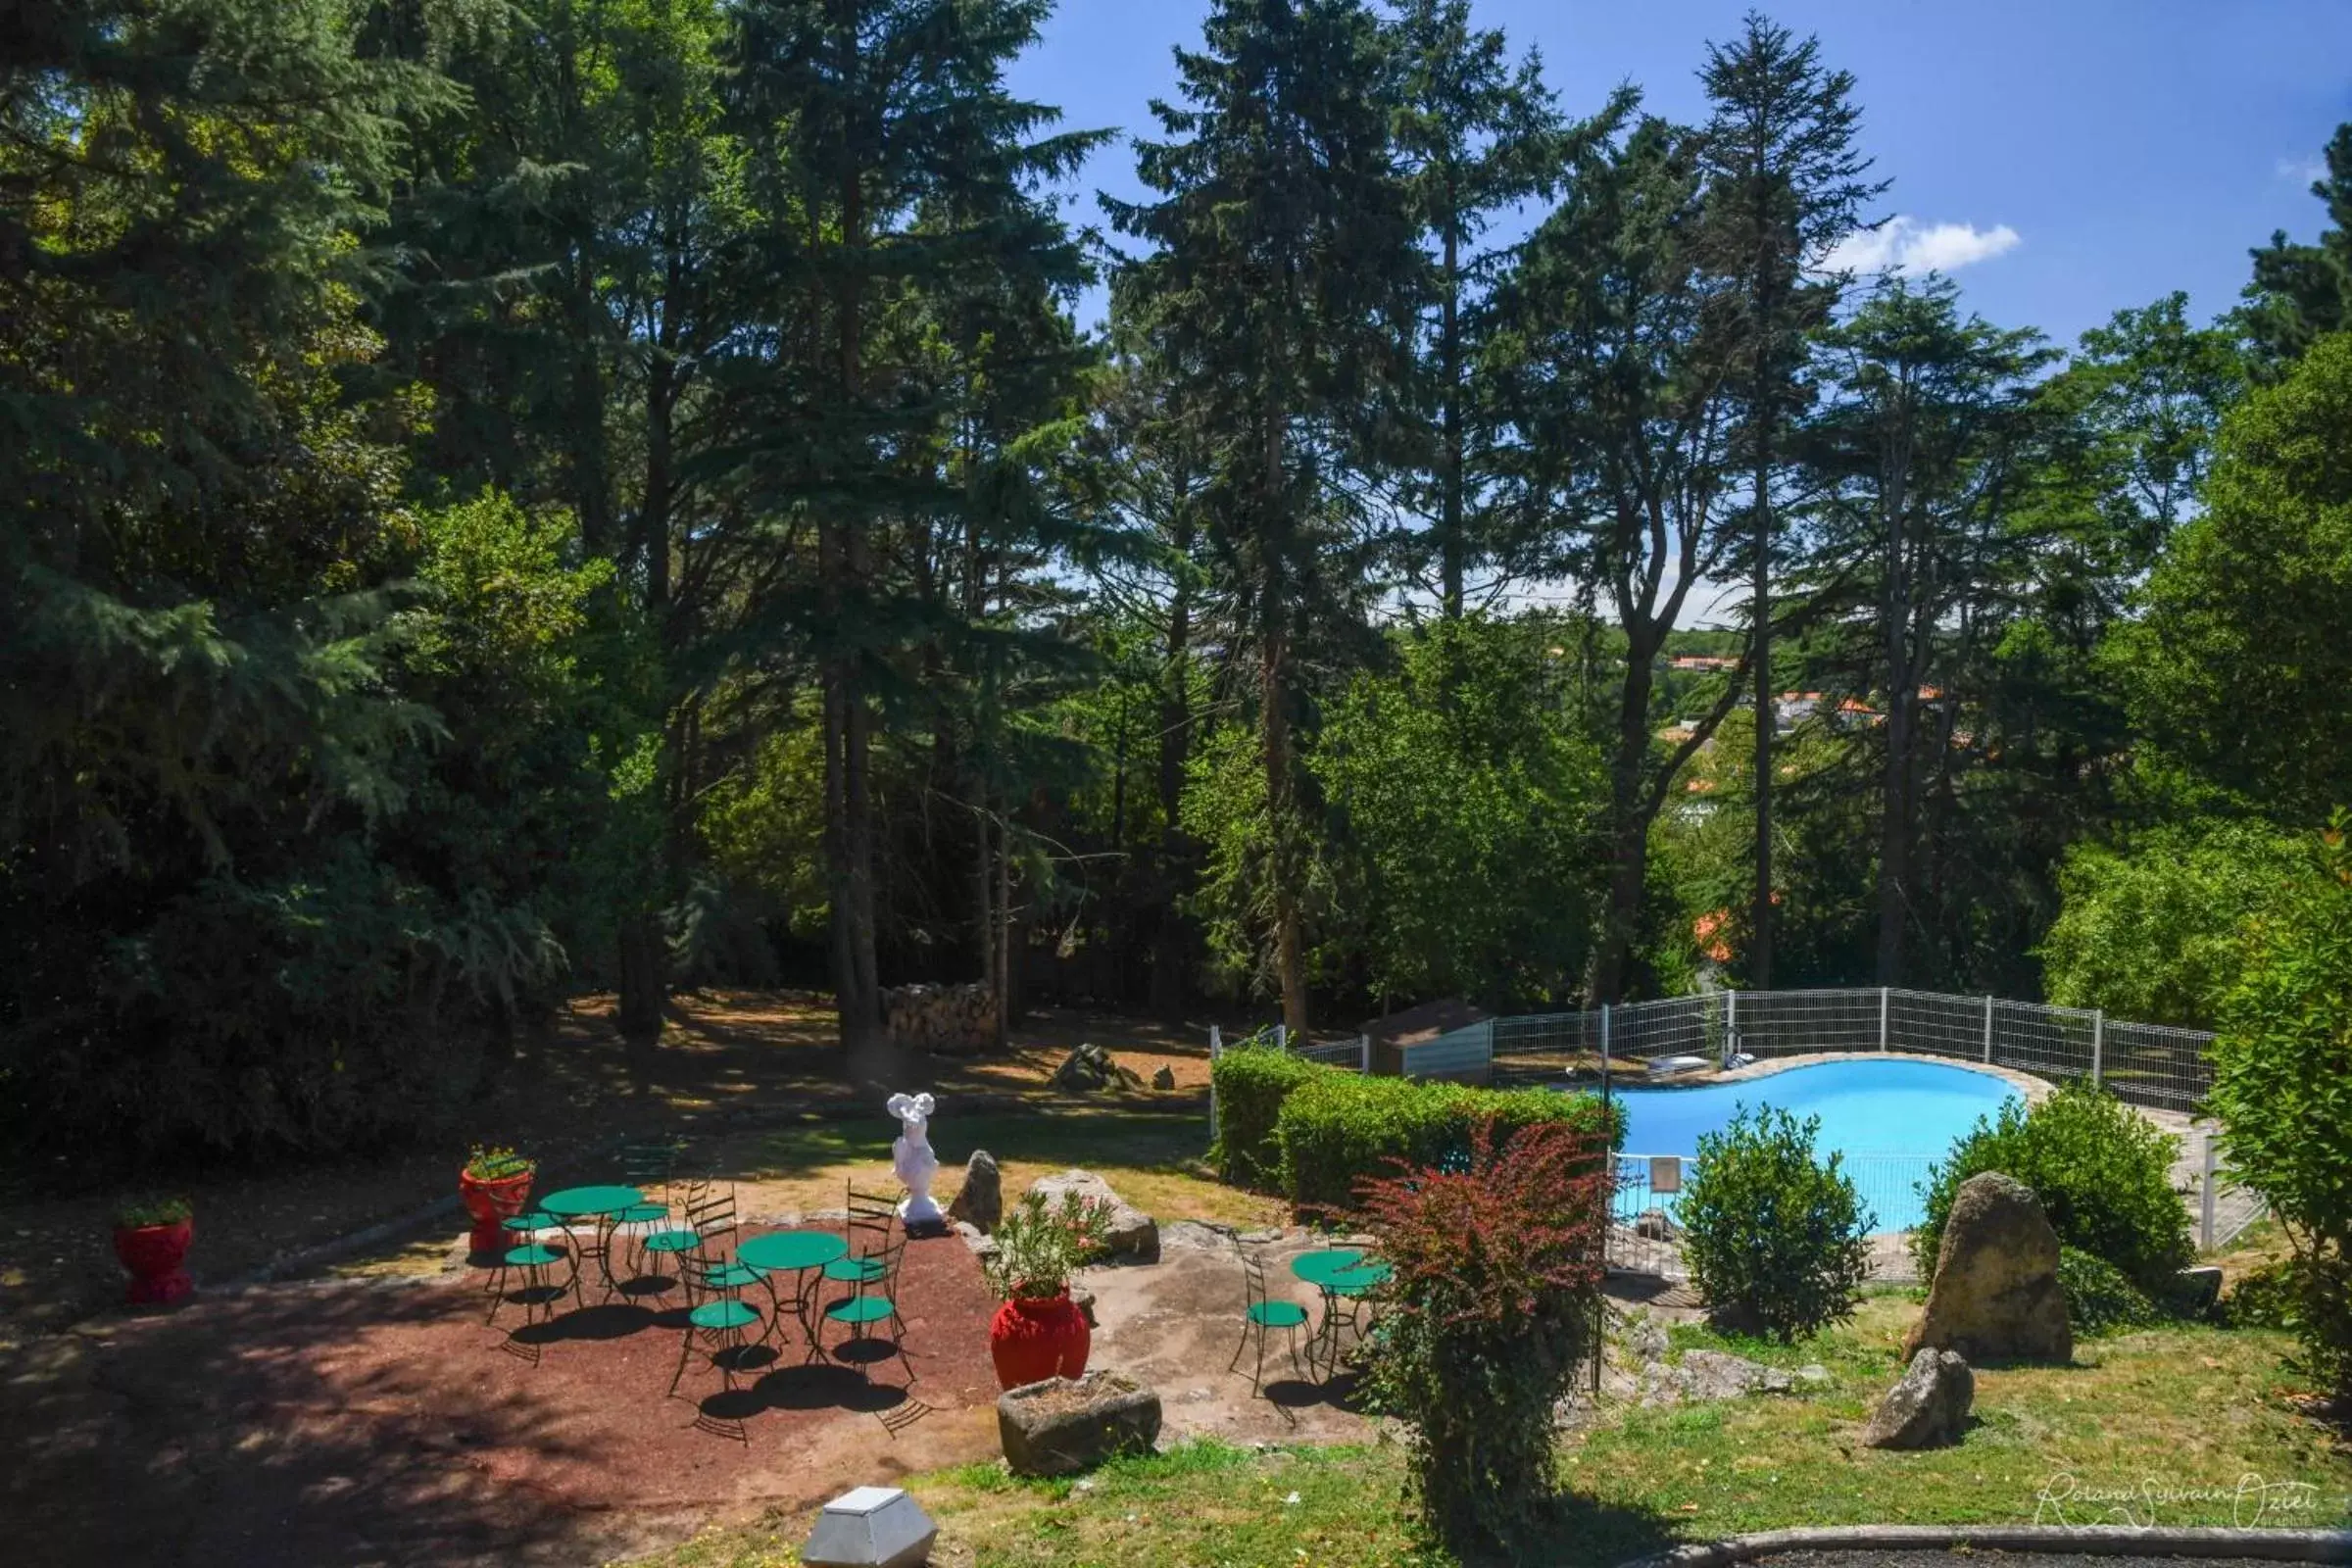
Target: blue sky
(2073, 156)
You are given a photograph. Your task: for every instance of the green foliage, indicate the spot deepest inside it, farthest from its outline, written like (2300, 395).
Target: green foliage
(2282, 1092)
(1490, 1313)
(488, 1164)
(2100, 1299)
(2234, 671)
(1463, 796)
(1777, 1239)
(1252, 1079)
(1340, 1129)
(148, 1208)
(2102, 1171)
(2156, 932)
(2266, 1298)
(1037, 1247)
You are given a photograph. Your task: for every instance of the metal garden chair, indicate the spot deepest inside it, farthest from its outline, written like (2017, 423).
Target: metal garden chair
(719, 1324)
(874, 1301)
(1264, 1313)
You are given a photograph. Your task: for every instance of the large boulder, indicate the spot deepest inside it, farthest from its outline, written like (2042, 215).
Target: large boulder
(1064, 1425)
(1089, 1068)
(1927, 1408)
(980, 1201)
(1996, 1296)
(1134, 1234)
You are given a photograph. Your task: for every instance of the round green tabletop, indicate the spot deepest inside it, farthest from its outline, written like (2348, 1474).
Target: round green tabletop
(1318, 1267)
(1357, 1280)
(584, 1202)
(791, 1249)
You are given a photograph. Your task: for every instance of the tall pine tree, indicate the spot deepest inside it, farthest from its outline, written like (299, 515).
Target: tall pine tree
(1281, 279)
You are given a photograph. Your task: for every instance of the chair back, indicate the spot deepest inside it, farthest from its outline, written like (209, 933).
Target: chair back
(651, 1165)
(708, 1211)
(886, 1283)
(872, 1220)
(1253, 1275)
(706, 1278)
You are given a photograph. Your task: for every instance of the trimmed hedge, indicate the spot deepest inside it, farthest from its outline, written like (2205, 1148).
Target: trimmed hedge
(1252, 1082)
(1335, 1128)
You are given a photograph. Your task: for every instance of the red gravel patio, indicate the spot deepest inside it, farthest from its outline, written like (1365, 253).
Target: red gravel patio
(383, 1421)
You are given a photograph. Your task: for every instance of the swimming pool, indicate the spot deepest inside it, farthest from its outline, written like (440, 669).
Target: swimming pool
(1891, 1119)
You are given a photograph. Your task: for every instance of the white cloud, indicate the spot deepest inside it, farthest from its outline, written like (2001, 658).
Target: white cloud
(2302, 170)
(1904, 244)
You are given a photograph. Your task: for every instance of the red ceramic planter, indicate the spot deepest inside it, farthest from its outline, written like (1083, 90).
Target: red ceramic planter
(490, 1201)
(152, 1254)
(1033, 1340)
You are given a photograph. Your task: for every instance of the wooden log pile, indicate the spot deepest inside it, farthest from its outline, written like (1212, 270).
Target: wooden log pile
(951, 1020)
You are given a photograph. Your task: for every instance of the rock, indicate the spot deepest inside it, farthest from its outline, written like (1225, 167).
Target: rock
(1089, 1067)
(1064, 1425)
(1709, 1375)
(1165, 1078)
(1653, 1224)
(1995, 1295)
(980, 1201)
(1813, 1372)
(1929, 1408)
(1134, 1234)
(2200, 1290)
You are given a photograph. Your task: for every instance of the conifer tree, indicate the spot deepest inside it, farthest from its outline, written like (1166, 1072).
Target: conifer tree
(1281, 279)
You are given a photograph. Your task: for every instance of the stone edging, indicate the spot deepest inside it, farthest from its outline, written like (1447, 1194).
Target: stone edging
(2036, 1089)
(2281, 1545)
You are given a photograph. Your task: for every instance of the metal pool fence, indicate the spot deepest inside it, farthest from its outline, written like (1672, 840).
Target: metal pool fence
(2144, 1063)
(2152, 1065)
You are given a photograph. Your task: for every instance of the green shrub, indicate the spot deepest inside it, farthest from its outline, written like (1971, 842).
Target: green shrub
(2100, 1299)
(1338, 1129)
(1777, 1239)
(1252, 1083)
(2283, 1091)
(2104, 1172)
(2264, 1298)
(1486, 1319)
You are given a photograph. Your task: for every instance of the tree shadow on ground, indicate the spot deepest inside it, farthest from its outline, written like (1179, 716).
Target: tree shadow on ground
(216, 1438)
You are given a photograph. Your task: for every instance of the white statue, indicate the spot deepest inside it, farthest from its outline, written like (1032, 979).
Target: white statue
(912, 1158)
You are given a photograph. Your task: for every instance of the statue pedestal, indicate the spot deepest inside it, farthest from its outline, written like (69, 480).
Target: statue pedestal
(922, 1216)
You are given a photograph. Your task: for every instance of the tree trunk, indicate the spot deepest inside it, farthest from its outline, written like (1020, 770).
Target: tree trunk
(1290, 948)
(1629, 824)
(642, 991)
(1169, 957)
(1759, 952)
(1894, 824)
(1454, 548)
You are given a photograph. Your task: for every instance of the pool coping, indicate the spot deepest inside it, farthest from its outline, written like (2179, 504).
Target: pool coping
(2036, 1089)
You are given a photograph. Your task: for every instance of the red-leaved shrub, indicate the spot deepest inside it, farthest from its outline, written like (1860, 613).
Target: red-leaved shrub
(1491, 1309)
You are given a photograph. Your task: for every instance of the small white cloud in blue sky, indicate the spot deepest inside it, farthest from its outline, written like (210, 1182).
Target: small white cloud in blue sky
(1906, 245)
(2302, 170)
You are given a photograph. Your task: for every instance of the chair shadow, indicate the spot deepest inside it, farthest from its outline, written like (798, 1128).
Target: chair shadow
(608, 1320)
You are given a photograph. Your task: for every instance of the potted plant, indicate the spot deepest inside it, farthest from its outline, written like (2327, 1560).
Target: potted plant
(151, 1238)
(1039, 1332)
(495, 1183)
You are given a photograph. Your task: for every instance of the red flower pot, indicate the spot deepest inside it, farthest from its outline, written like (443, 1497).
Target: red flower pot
(152, 1254)
(1033, 1340)
(490, 1201)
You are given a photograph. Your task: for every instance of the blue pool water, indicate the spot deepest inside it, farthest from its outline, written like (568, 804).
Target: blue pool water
(1891, 1119)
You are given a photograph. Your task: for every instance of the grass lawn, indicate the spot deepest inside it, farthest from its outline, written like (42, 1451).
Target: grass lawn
(2177, 1419)
(1153, 1156)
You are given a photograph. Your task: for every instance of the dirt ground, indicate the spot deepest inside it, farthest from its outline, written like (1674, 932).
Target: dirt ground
(730, 1061)
(355, 1423)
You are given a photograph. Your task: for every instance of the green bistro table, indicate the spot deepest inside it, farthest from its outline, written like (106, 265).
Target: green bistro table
(1340, 1274)
(601, 1205)
(800, 1254)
